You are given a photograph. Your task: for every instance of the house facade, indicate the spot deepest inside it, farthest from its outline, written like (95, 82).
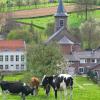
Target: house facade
(84, 60)
(12, 55)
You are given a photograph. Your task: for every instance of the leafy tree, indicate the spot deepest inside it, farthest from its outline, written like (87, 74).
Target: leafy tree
(90, 34)
(36, 2)
(85, 5)
(50, 29)
(20, 34)
(43, 59)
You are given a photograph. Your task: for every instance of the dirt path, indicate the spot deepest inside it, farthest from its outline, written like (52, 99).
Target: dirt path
(41, 12)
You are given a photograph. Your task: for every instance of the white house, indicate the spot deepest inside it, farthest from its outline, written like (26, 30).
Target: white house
(12, 55)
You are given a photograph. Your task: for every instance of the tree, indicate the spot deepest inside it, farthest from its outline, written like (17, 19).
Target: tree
(36, 2)
(20, 34)
(85, 6)
(90, 34)
(19, 3)
(50, 29)
(43, 59)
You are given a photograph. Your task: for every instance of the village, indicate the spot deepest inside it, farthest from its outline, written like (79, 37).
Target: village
(38, 43)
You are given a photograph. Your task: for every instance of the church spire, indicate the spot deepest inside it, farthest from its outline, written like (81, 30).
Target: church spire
(60, 17)
(60, 9)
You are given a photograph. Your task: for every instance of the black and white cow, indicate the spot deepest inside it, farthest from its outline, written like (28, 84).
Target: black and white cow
(16, 88)
(59, 83)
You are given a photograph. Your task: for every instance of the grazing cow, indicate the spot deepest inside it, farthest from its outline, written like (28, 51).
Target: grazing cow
(35, 84)
(16, 88)
(59, 82)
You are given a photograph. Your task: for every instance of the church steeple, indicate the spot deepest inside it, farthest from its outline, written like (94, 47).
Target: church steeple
(60, 16)
(60, 10)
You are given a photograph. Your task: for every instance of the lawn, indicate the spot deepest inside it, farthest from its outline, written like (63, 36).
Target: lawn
(84, 89)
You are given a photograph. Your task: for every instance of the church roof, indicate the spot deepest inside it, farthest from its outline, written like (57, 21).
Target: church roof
(65, 40)
(62, 36)
(60, 10)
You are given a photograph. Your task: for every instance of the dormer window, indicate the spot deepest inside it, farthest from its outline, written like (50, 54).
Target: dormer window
(61, 22)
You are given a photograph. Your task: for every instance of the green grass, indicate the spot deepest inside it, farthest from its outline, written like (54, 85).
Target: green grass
(29, 7)
(87, 92)
(73, 19)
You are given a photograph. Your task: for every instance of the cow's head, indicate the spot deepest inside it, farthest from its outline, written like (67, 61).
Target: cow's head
(45, 81)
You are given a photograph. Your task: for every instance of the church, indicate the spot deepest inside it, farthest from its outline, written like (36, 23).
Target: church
(61, 34)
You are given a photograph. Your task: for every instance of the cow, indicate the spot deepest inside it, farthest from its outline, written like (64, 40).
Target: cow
(59, 83)
(35, 84)
(16, 88)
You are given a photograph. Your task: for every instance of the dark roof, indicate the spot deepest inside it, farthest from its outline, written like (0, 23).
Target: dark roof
(65, 40)
(87, 54)
(60, 34)
(60, 10)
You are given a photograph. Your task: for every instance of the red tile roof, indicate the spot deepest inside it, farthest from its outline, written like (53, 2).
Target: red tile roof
(12, 45)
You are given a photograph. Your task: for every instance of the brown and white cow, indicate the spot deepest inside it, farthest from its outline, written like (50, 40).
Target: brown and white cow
(35, 84)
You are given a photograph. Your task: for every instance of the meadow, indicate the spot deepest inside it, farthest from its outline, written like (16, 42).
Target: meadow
(73, 20)
(25, 6)
(84, 89)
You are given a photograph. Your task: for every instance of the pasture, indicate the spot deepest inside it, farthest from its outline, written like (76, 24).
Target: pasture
(28, 5)
(73, 19)
(83, 88)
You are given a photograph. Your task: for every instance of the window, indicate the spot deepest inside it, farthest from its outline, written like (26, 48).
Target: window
(17, 57)
(11, 58)
(22, 66)
(17, 66)
(6, 58)
(22, 57)
(81, 70)
(61, 22)
(98, 60)
(93, 60)
(1, 58)
(1, 66)
(6, 67)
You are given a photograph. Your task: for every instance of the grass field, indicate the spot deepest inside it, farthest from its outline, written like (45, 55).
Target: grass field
(84, 89)
(73, 19)
(25, 6)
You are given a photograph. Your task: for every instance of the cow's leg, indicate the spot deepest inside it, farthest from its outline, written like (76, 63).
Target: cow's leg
(23, 96)
(55, 94)
(71, 93)
(4, 95)
(61, 95)
(65, 94)
(48, 90)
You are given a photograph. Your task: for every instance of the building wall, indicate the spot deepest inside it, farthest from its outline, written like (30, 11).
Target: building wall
(66, 49)
(13, 65)
(76, 47)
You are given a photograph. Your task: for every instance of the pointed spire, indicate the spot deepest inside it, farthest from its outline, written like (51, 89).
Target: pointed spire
(61, 10)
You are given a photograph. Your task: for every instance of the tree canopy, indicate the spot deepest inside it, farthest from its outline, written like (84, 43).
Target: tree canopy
(43, 59)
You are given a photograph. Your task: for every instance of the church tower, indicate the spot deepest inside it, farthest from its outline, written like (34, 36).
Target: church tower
(60, 17)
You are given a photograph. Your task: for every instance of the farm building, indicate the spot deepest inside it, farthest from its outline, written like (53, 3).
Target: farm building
(12, 55)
